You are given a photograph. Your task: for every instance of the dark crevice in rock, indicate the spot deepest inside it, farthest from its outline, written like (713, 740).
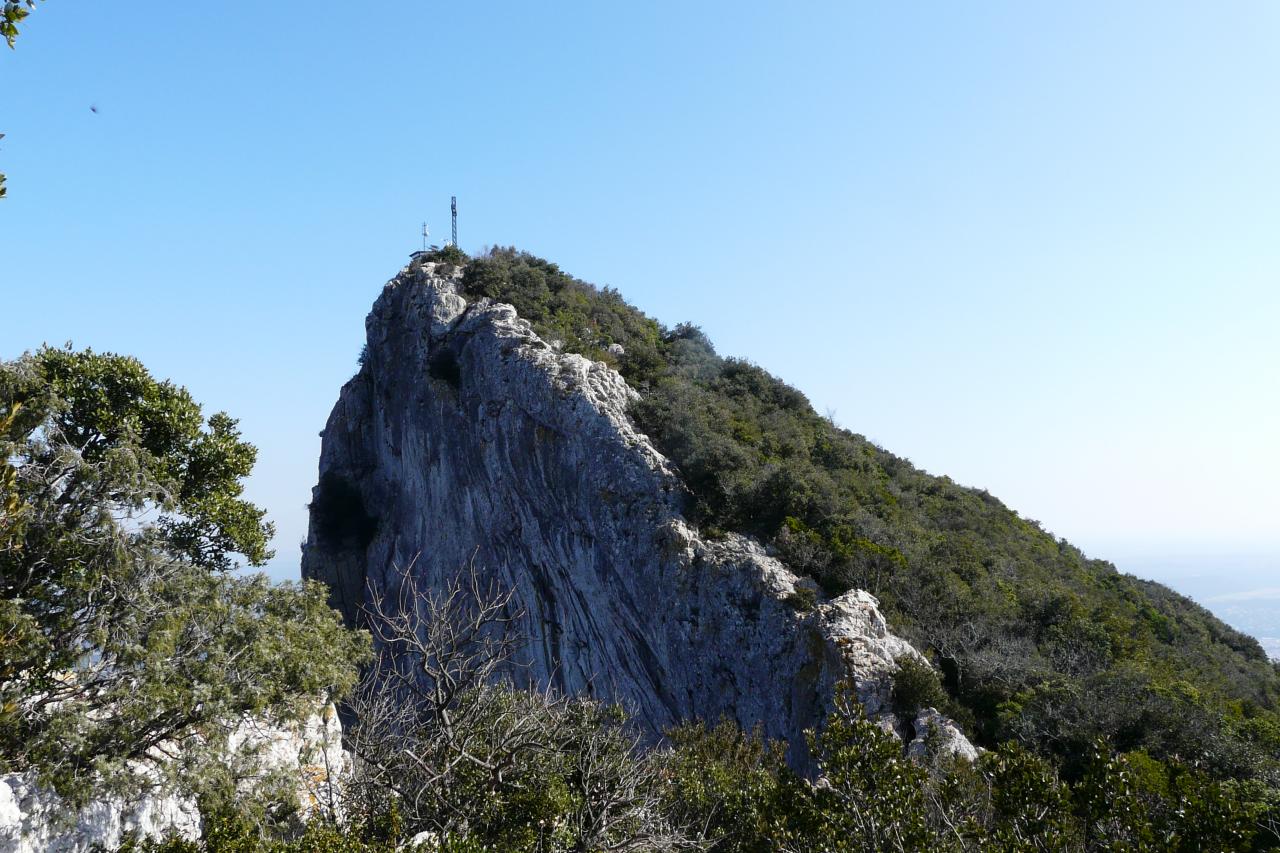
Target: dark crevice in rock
(443, 365)
(338, 513)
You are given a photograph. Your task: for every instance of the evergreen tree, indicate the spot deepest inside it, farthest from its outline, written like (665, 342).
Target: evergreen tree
(122, 630)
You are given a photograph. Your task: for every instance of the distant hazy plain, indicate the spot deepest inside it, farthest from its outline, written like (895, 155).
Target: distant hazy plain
(1243, 591)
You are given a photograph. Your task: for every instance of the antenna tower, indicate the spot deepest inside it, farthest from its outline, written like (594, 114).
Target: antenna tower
(453, 208)
(425, 233)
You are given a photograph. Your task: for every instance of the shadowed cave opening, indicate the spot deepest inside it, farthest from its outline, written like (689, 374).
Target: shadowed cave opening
(443, 365)
(342, 522)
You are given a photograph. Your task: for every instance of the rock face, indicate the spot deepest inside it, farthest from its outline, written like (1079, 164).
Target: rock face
(34, 819)
(465, 438)
(935, 735)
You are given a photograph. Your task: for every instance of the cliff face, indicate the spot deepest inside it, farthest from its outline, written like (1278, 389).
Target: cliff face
(465, 438)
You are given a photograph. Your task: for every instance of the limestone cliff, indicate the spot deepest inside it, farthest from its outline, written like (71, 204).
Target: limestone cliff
(465, 437)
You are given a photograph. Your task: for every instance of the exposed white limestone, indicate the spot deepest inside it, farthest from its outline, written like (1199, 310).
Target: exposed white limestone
(935, 735)
(34, 819)
(466, 435)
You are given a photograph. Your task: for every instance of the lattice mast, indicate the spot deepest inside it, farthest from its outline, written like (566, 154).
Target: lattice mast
(453, 210)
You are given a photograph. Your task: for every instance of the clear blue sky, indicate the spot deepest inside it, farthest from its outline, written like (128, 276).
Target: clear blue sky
(1031, 246)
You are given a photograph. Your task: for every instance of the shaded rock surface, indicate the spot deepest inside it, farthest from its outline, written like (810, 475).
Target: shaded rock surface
(465, 438)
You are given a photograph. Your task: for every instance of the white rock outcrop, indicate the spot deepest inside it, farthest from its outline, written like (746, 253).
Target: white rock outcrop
(935, 735)
(34, 819)
(465, 435)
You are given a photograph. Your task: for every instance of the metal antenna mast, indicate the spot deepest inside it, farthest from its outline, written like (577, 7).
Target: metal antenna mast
(425, 233)
(453, 208)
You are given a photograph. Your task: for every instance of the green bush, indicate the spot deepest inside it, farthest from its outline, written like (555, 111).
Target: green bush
(228, 831)
(916, 686)
(802, 598)
(122, 625)
(723, 789)
(447, 254)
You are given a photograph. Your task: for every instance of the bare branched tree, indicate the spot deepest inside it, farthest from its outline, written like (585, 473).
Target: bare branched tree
(442, 733)
(620, 804)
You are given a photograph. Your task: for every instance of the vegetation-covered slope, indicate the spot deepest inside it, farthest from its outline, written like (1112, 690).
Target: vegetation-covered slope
(1036, 642)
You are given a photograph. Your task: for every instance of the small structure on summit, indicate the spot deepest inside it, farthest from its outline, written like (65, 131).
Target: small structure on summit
(426, 232)
(425, 250)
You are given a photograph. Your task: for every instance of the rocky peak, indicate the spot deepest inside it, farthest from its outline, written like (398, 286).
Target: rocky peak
(467, 439)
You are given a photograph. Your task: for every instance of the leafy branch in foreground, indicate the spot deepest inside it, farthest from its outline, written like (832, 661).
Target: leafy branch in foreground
(15, 11)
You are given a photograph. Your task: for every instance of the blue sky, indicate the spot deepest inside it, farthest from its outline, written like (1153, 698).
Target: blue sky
(1030, 246)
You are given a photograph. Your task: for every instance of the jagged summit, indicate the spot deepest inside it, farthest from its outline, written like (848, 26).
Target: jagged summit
(467, 437)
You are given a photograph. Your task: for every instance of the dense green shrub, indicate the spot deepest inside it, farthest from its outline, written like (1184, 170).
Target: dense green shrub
(915, 686)
(447, 254)
(227, 831)
(584, 319)
(802, 598)
(1035, 641)
(730, 791)
(872, 798)
(728, 782)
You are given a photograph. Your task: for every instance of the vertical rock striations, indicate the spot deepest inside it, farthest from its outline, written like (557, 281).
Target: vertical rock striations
(466, 437)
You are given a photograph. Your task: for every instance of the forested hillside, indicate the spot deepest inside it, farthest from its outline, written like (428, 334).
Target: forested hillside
(1036, 642)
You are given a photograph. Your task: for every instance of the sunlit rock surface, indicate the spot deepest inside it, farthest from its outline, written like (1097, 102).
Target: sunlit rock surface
(465, 438)
(34, 819)
(935, 735)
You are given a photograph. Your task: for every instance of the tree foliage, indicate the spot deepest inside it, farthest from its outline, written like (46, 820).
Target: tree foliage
(916, 686)
(122, 635)
(870, 797)
(15, 11)
(718, 788)
(446, 254)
